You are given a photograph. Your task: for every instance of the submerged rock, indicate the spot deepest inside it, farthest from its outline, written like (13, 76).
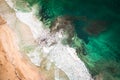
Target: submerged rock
(95, 27)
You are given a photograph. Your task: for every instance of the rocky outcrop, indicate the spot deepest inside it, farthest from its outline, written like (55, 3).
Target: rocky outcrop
(13, 66)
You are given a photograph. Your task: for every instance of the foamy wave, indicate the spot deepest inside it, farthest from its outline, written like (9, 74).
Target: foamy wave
(63, 56)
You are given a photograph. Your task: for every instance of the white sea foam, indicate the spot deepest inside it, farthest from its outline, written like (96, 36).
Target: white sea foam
(63, 56)
(33, 23)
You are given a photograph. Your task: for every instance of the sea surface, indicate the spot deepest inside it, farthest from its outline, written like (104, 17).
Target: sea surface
(97, 23)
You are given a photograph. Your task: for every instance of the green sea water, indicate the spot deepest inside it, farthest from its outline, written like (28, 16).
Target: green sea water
(97, 23)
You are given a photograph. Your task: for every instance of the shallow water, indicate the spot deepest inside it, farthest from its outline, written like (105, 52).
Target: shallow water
(97, 24)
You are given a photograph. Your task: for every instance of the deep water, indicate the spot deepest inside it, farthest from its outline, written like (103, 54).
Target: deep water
(97, 23)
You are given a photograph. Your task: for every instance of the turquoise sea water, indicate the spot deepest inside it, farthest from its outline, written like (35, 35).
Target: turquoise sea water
(97, 23)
